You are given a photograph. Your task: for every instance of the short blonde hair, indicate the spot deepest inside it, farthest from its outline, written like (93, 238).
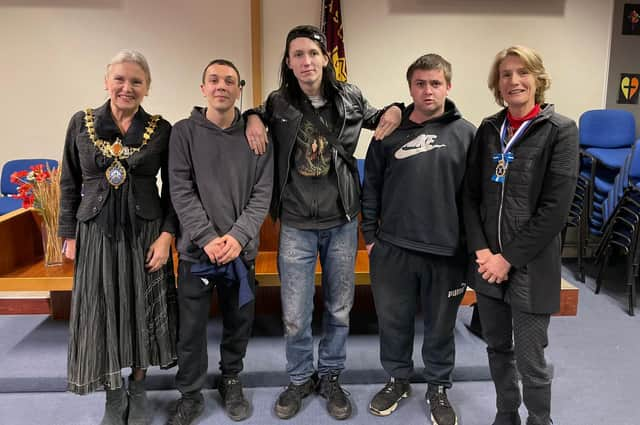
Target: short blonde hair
(132, 56)
(532, 61)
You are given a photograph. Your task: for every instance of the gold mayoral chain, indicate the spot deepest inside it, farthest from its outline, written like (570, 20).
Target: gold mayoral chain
(116, 173)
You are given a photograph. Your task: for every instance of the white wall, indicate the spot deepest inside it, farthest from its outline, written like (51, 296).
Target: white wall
(382, 37)
(624, 59)
(53, 57)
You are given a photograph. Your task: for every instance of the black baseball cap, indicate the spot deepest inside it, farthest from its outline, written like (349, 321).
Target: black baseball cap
(308, 31)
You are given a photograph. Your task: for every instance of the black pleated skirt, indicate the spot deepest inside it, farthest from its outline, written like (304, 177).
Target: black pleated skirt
(121, 315)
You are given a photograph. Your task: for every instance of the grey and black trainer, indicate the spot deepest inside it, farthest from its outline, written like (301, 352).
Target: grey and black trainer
(290, 400)
(187, 410)
(338, 404)
(387, 399)
(441, 411)
(236, 405)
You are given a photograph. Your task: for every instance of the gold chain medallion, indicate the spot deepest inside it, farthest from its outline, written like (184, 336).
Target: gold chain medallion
(116, 174)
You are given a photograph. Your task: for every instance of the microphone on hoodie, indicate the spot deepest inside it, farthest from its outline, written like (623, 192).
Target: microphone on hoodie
(242, 84)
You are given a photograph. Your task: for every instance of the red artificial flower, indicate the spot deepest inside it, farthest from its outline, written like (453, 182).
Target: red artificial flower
(25, 180)
(18, 177)
(41, 176)
(37, 169)
(28, 201)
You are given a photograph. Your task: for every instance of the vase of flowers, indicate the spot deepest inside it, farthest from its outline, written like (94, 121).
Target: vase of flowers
(39, 188)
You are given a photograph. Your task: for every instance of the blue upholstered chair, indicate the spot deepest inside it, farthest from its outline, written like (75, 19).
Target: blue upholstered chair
(361, 170)
(606, 137)
(621, 224)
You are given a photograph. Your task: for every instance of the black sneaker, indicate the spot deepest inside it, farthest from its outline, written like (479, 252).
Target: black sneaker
(338, 404)
(441, 411)
(290, 400)
(235, 403)
(187, 410)
(387, 399)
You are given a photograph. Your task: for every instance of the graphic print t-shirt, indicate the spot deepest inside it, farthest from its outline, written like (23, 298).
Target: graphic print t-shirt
(311, 199)
(312, 154)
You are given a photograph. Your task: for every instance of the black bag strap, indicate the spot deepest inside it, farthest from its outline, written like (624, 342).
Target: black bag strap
(311, 116)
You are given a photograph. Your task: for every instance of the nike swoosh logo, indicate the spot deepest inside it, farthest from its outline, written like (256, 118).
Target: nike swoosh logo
(422, 143)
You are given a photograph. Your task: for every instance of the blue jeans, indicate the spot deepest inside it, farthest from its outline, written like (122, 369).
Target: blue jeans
(297, 256)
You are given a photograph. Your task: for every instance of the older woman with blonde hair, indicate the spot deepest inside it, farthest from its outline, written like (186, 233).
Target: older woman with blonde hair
(119, 229)
(521, 173)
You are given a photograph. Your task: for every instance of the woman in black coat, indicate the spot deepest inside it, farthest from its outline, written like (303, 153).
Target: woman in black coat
(119, 229)
(521, 174)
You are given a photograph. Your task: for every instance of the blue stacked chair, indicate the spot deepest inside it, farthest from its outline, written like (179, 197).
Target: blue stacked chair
(8, 200)
(606, 137)
(360, 162)
(621, 217)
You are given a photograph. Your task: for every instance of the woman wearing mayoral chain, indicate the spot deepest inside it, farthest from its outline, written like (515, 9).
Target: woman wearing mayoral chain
(118, 229)
(521, 174)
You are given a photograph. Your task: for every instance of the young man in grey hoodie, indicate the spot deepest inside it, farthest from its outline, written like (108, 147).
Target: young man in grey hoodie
(221, 192)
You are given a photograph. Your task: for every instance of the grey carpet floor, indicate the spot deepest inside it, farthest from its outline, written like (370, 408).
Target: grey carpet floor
(595, 357)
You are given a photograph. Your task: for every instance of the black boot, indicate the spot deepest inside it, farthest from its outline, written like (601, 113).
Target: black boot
(235, 403)
(338, 403)
(537, 399)
(115, 412)
(290, 400)
(138, 403)
(507, 418)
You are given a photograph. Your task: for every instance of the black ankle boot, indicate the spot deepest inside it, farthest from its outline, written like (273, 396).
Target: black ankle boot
(115, 412)
(138, 403)
(507, 418)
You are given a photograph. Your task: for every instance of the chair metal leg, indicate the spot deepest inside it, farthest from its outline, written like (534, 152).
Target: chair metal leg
(632, 297)
(605, 261)
(632, 271)
(630, 279)
(580, 233)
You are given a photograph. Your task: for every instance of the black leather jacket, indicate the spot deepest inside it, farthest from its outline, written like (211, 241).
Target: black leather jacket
(523, 217)
(283, 121)
(84, 187)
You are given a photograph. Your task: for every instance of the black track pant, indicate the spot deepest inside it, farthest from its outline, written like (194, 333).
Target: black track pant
(400, 279)
(194, 300)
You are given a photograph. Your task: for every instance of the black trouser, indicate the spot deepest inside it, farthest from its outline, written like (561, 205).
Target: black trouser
(515, 343)
(399, 280)
(194, 299)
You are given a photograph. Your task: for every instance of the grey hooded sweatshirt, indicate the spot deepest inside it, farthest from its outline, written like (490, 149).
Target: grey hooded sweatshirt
(218, 185)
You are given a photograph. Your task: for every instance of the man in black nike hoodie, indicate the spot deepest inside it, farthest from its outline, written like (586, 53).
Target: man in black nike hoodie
(412, 228)
(221, 192)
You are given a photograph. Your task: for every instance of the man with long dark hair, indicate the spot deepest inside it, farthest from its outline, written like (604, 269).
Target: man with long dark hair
(315, 122)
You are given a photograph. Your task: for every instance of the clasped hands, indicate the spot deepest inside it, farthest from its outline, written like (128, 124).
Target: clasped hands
(223, 249)
(493, 268)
